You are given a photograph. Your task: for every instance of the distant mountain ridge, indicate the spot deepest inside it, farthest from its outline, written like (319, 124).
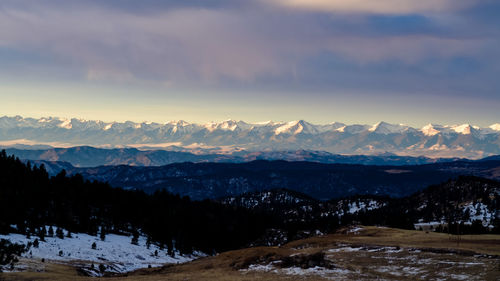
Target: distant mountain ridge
(86, 156)
(432, 140)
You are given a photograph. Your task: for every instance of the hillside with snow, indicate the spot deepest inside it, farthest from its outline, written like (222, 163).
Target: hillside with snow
(115, 252)
(462, 140)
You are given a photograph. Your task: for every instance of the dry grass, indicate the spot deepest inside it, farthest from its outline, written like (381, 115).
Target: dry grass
(414, 255)
(481, 244)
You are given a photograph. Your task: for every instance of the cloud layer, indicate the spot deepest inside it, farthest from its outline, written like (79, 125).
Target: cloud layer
(443, 47)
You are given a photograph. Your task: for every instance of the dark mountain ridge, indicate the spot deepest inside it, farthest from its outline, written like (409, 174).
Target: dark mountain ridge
(321, 181)
(87, 156)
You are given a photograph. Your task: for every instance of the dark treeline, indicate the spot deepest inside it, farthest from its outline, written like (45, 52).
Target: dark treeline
(30, 199)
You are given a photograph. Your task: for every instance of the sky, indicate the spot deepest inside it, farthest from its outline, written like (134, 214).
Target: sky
(357, 61)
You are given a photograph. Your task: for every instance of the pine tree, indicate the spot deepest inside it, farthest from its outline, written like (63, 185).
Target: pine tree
(51, 232)
(36, 243)
(9, 252)
(94, 246)
(59, 233)
(170, 248)
(135, 238)
(102, 234)
(41, 234)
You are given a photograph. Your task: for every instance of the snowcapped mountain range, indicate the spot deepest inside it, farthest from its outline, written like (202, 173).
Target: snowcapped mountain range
(432, 140)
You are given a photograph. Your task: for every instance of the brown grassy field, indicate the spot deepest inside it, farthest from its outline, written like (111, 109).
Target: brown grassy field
(366, 254)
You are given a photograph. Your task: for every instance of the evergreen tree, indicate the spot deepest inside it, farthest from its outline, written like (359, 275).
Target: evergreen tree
(102, 234)
(94, 246)
(170, 248)
(59, 233)
(41, 234)
(9, 252)
(135, 238)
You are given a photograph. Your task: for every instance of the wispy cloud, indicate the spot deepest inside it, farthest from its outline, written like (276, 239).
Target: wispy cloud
(376, 6)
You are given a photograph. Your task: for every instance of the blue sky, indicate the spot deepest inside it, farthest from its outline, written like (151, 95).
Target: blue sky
(356, 61)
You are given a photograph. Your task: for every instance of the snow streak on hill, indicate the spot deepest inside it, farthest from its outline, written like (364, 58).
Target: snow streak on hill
(462, 140)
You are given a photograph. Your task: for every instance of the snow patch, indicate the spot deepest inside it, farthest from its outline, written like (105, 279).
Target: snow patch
(116, 251)
(478, 211)
(297, 271)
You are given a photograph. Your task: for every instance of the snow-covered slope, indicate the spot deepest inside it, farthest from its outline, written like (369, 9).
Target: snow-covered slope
(386, 128)
(116, 252)
(462, 140)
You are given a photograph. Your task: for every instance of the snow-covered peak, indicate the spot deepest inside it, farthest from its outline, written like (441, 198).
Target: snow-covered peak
(227, 125)
(108, 126)
(230, 125)
(178, 123)
(334, 126)
(296, 127)
(66, 124)
(464, 129)
(430, 129)
(117, 126)
(495, 127)
(268, 123)
(386, 128)
(45, 120)
(341, 129)
(354, 129)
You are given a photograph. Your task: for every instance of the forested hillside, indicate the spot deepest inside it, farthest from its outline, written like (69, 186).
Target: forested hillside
(30, 199)
(466, 205)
